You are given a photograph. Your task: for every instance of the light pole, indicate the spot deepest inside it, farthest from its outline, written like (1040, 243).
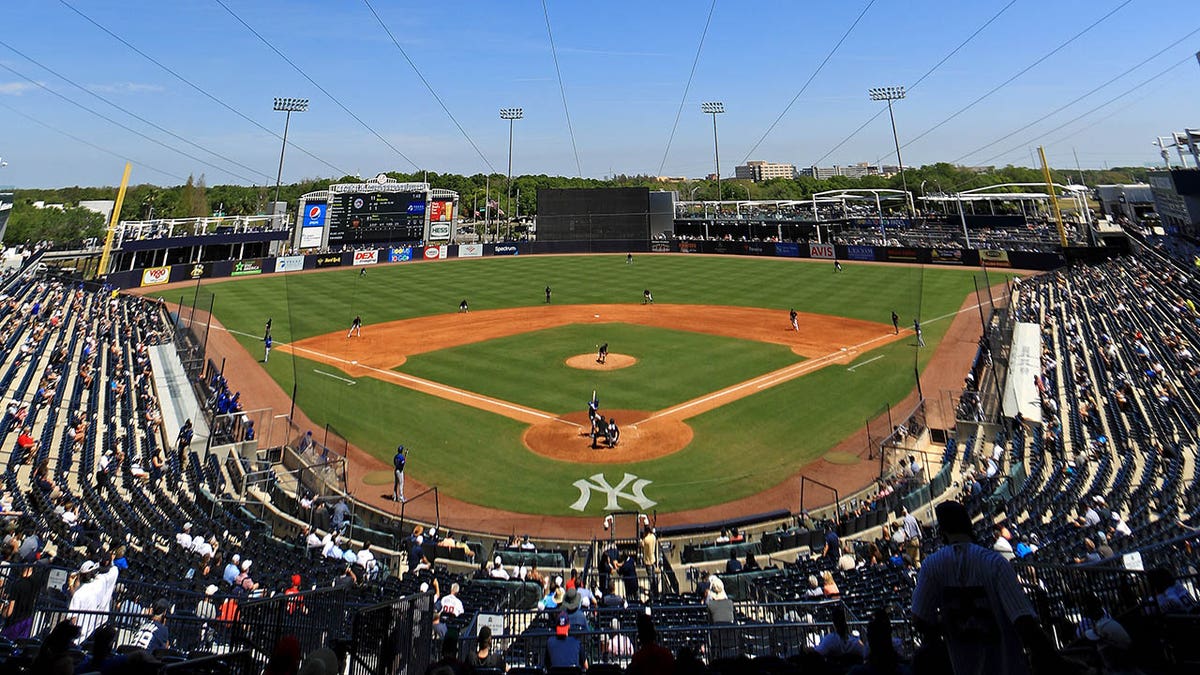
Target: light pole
(715, 108)
(512, 115)
(890, 94)
(289, 106)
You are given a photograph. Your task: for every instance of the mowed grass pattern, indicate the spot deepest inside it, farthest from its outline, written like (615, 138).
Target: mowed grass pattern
(740, 449)
(673, 366)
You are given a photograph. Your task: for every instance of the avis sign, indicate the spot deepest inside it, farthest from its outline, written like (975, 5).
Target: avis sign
(613, 493)
(820, 251)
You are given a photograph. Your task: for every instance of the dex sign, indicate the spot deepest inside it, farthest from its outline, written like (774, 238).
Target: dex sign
(366, 257)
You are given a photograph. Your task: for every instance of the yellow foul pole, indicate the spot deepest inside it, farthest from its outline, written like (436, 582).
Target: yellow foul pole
(1058, 221)
(112, 225)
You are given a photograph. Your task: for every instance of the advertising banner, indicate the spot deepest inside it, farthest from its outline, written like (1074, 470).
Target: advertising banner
(944, 256)
(439, 231)
(758, 248)
(433, 252)
(659, 246)
(244, 268)
(902, 254)
(787, 249)
(441, 210)
(331, 260)
(866, 253)
(820, 251)
(400, 254)
(505, 249)
(990, 257)
(470, 250)
(366, 257)
(289, 263)
(314, 216)
(153, 276)
(310, 237)
(688, 247)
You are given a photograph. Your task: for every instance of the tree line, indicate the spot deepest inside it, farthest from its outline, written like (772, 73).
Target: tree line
(194, 198)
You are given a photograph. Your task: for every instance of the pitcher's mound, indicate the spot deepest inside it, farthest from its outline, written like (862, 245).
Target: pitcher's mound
(613, 362)
(567, 439)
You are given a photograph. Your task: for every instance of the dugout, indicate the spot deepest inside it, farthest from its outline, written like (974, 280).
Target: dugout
(593, 213)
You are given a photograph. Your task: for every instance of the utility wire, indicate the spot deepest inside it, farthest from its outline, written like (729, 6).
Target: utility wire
(1011, 79)
(1110, 101)
(687, 86)
(77, 139)
(198, 88)
(132, 114)
(562, 89)
(1078, 98)
(921, 79)
(119, 124)
(314, 83)
(427, 85)
(809, 80)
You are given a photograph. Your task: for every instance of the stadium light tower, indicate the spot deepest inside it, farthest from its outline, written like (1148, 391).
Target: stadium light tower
(289, 106)
(715, 108)
(512, 115)
(890, 94)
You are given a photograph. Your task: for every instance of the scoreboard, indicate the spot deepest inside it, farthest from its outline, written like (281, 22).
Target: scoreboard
(376, 218)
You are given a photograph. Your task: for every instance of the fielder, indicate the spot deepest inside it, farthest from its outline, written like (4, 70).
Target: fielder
(355, 327)
(794, 320)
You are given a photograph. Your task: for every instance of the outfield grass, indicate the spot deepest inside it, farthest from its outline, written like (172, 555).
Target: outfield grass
(673, 366)
(738, 450)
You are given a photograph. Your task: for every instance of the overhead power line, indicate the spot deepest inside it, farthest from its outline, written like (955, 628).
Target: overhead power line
(921, 79)
(90, 144)
(198, 88)
(121, 125)
(809, 80)
(314, 83)
(562, 89)
(132, 114)
(1016, 75)
(1114, 99)
(427, 85)
(1078, 98)
(687, 87)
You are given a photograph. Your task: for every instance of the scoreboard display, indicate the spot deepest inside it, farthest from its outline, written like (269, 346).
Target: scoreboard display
(376, 218)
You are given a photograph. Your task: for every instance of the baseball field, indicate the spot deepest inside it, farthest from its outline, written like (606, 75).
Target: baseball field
(717, 398)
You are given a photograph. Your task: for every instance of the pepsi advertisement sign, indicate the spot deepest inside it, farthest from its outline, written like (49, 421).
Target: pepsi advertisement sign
(314, 215)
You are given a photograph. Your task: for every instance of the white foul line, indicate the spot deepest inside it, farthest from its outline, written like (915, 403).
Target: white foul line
(336, 377)
(851, 368)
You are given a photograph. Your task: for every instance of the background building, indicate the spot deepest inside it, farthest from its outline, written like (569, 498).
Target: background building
(1126, 202)
(1177, 200)
(758, 171)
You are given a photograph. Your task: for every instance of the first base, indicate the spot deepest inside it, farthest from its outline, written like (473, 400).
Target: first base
(595, 316)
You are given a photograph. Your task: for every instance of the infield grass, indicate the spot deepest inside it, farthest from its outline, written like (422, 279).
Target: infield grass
(739, 449)
(673, 366)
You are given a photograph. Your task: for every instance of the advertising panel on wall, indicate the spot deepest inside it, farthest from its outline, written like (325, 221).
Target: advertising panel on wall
(191, 272)
(439, 231)
(441, 210)
(434, 252)
(243, 268)
(866, 253)
(990, 257)
(289, 263)
(758, 248)
(688, 247)
(329, 260)
(366, 257)
(400, 254)
(310, 237)
(312, 226)
(660, 246)
(787, 249)
(821, 251)
(900, 254)
(946, 256)
(505, 249)
(153, 276)
(470, 250)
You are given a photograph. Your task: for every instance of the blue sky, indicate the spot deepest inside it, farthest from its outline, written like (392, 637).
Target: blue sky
(624, 66)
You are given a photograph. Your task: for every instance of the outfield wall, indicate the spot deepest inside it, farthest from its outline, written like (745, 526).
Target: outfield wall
(154, 276)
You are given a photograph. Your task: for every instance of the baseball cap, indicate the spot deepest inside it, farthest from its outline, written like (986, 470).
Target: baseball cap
(211, 590)
(564, 624)
(399, 448)
(88, 567)
(161, 607)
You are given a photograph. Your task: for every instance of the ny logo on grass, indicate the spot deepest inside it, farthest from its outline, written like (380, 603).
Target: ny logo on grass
(613, 492)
